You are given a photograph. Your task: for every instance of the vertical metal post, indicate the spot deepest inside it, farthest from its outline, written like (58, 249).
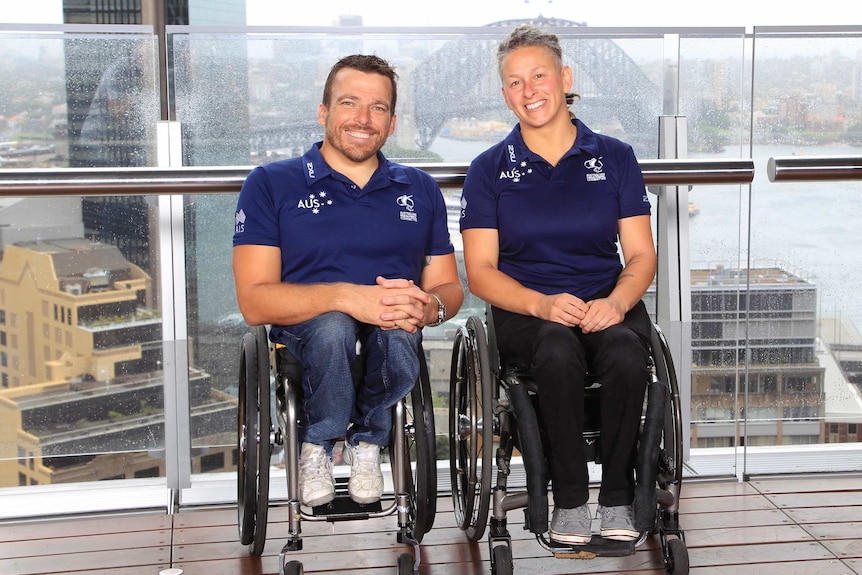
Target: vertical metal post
(673, 281)
(171, 270)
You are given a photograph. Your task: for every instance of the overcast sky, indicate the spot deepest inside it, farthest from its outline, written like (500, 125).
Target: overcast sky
(616, 13)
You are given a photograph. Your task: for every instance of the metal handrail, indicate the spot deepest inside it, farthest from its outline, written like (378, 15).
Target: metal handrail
(814, 168)
(214, 180)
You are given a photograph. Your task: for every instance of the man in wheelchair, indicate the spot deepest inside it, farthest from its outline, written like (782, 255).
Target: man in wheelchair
(542, 213)
(342, 246)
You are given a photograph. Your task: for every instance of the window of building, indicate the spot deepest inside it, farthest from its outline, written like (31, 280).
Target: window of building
(801, 412)
(722, 384)
(798, 383)
(800, 439)
(148, 472)
(22, 456)
(22, 480)
(212, 462)
(762, 413)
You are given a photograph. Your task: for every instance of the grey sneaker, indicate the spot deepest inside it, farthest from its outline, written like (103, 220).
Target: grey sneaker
(571, 526)
(315, 476)
(617, 523)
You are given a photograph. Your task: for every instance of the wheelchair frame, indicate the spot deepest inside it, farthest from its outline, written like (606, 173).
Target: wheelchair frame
(415, 491)
(491, 404)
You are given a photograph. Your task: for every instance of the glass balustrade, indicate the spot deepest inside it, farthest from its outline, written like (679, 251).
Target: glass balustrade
(119, 329)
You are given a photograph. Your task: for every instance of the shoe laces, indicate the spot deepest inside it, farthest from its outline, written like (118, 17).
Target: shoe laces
(574, 514)
(616, 512)
(366, 459)
(314, 460)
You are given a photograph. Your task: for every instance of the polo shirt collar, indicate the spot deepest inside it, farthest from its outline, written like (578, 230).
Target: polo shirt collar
(586, 142)
(317, 169)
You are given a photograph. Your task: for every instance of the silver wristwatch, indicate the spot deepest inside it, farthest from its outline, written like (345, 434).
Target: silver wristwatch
(441, 312)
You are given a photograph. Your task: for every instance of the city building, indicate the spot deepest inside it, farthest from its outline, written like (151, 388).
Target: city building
(754, 343)
(81, 371)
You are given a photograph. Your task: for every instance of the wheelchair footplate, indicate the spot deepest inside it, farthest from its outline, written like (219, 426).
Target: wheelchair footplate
(597, 547)
(343, 508)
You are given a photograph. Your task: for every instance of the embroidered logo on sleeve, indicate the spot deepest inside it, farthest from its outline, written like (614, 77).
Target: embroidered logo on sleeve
(240, 222)
(407, 214)
(595, 166)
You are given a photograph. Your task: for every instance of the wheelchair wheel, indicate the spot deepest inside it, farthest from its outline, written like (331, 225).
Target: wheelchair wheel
(471, 428)
(253, 441)
(293, 568)
(422, 450)
(672, 457)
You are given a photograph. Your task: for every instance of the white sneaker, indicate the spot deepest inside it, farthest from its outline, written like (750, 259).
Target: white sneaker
(316, 486)
(366, 479)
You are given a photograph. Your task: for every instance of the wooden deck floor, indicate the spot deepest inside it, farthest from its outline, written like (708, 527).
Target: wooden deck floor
(786, 526)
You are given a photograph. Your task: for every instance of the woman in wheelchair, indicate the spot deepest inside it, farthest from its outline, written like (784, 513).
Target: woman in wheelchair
(542, 213)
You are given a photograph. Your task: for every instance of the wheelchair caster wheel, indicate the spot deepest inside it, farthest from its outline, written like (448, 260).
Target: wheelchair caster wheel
(405, 564)
(677, 557)
(501, 560)
(293, 568)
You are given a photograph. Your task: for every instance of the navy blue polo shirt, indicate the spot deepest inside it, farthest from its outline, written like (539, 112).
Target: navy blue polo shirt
(330, 230)
(557, 225)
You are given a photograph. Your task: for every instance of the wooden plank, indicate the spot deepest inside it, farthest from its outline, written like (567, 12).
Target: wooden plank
(154, 558)
(757, 554)
(817, 567)
(817, 484)
(64, 527)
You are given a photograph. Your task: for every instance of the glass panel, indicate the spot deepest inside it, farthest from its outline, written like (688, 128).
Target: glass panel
(78, 100)
(81, 339)
(712, 92)
(804, 312)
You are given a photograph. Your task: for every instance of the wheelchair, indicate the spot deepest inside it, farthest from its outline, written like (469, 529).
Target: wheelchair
(411, 450)
(493, 403)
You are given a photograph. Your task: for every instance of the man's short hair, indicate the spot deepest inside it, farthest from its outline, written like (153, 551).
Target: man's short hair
(370, 64)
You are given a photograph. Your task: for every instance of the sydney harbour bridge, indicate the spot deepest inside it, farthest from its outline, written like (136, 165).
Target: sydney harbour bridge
(460, 81)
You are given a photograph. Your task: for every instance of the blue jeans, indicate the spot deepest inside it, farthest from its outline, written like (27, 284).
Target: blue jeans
(332, 406)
